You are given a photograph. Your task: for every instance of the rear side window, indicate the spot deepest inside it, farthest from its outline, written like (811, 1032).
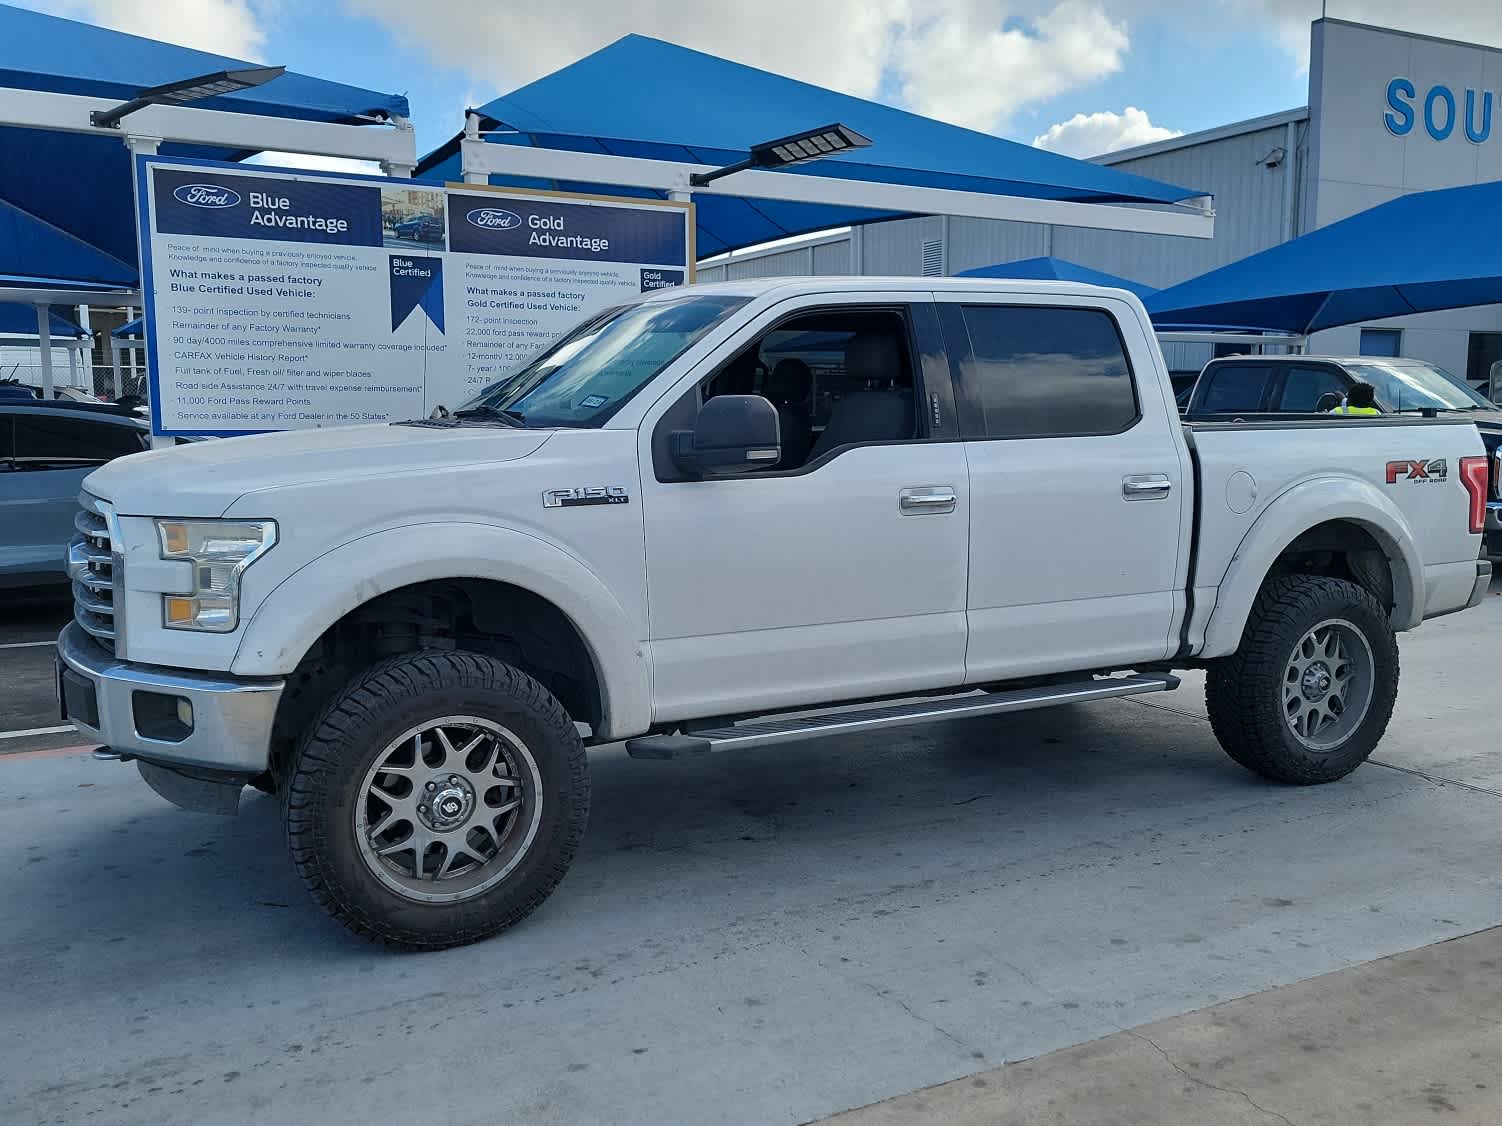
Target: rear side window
(1303, 387)
(1036, 372)
(45, 440)
(1236, 387)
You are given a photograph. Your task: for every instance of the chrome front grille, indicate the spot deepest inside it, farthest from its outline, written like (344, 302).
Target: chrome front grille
(94, 566)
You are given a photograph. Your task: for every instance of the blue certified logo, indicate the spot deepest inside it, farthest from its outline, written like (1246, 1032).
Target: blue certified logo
(206, 195)
(494, 219)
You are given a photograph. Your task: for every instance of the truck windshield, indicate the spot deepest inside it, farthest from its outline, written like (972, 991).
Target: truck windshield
(1418, 386)
(589, 374)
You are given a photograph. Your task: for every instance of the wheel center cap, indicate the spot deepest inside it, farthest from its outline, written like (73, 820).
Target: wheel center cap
(1316, 682)
(448, 805)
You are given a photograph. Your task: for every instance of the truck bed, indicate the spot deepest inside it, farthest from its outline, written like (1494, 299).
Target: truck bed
(1254, 473)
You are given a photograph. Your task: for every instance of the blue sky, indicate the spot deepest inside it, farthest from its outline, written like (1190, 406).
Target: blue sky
(1135, 70)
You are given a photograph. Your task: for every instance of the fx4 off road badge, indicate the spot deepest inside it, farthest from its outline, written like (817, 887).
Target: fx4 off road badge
(1422, 471)
(578, 498)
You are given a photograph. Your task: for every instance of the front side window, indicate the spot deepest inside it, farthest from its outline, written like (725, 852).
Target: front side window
(46, 441)
(1405, 385)
(593, 371)
(1044, 372)
(1235, 388)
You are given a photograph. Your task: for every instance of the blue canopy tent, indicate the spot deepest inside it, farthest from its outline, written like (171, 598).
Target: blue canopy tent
(79, 183)
(1057, 269)
(1417, 254)
(645, 98)
(67, 218)
(21, 321)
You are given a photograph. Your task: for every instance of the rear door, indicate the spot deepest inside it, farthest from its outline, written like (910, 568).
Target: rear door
(1077, 487)
(1238, 387)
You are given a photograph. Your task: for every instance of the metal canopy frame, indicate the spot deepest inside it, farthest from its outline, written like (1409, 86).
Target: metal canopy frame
(480, 159)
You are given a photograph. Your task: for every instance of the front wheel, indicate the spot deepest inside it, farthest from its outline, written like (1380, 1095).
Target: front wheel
(1308, 695)
(437, 800)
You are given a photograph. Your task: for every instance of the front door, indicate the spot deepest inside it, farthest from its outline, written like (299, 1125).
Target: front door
(1077, 492)
(840, 573)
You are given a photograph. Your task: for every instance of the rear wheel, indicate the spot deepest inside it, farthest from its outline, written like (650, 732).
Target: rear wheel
(438, 800)
(1308, 695)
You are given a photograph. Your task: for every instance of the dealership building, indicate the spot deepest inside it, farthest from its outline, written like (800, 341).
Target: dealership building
(1389, 113)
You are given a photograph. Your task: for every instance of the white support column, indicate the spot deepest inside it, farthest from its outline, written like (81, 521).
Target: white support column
(73, 365)
(114, 369)
(466, 152)
(44, 342)
(401, 169)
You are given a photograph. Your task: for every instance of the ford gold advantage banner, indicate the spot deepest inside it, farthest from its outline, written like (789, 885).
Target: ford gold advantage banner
(278, 300)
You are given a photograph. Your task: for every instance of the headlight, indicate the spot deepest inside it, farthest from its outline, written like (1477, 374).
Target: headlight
(219, 550)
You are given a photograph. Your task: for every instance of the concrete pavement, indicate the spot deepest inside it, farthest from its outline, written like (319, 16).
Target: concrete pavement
(763, 937)
(1406, 1039)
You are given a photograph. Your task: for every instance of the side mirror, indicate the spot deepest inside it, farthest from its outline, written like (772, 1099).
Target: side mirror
(733, 434)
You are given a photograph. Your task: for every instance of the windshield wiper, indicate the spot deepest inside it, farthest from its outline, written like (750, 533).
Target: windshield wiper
(485, 410)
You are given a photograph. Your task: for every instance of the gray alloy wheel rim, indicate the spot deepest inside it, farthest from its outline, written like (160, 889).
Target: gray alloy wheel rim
(1327, 684)
(448, 809)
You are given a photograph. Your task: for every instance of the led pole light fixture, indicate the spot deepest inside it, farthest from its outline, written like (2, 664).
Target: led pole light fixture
(188, 90)
(814, 144)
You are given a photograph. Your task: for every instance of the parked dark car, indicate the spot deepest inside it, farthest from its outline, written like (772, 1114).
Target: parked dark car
(1250, 385)
(46, 450)
(420, 228)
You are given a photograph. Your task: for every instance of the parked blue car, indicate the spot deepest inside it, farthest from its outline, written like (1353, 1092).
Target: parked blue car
(46, 450)
(420, 228)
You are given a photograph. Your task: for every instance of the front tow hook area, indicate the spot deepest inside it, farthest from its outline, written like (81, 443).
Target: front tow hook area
(109, 754)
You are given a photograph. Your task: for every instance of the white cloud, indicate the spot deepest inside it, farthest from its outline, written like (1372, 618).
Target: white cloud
(225, 27)
(1091, 134)
(973, 62)
(317, 163)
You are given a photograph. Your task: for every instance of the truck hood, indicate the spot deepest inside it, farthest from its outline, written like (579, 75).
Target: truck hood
(205, 478)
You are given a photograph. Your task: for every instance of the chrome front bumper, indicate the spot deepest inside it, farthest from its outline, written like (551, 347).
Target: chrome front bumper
(138, 709)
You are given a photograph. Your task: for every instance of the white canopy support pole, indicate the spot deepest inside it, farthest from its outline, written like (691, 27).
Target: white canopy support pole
(479, 159)
(114, 368)
(471, 134)
(44, 342)
(86, 358)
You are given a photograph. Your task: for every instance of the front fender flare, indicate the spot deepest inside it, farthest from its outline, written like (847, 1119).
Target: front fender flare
(1322, 500)
(310, 600)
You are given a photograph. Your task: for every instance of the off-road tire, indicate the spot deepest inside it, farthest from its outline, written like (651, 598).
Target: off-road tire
(1244, 692)
(341, 745)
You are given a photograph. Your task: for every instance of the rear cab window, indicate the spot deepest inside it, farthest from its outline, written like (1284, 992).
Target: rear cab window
(1034, 371)
(1234, 388)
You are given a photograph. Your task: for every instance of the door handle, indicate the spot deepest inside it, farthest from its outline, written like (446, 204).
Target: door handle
(926, 499)
(1146, 486)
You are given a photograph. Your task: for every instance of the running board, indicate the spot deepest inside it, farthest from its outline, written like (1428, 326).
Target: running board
(766, 733)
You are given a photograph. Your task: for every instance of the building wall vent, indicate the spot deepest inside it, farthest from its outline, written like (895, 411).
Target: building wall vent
(933, 258)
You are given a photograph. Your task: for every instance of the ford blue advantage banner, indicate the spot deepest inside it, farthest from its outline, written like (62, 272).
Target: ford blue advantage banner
(192, 203)
(547, 228)
(281, 298)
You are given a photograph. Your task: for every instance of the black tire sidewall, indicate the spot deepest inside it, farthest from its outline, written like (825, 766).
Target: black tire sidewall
(1247, 704)
(340, 749)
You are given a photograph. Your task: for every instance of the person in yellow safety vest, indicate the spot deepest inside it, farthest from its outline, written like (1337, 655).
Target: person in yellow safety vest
(1361, 399)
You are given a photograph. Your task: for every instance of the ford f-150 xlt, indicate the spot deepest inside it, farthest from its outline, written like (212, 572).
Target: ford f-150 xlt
(735, 515)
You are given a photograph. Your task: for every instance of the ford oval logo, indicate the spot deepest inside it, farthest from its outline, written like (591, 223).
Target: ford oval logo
(494, 219)
(206, 195)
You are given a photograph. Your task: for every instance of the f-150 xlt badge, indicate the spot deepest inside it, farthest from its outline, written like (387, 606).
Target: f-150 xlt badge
(1436, 470)
(577, 498)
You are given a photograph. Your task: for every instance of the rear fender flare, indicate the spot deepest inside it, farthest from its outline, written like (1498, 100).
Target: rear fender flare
(1306, 505)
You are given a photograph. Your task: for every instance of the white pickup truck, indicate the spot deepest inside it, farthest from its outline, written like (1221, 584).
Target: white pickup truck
(728, 516)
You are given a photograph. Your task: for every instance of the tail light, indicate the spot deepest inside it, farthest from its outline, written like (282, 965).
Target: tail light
(1473, 474)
